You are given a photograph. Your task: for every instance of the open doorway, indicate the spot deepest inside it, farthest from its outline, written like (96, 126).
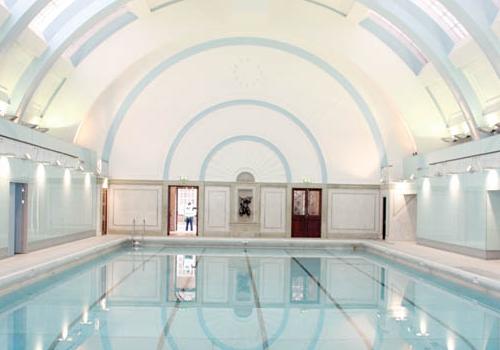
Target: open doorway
(18, 237)
(183, 210)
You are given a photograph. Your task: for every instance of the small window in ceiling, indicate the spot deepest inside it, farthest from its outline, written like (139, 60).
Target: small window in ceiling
(444, 19)
(95, 29)
(7, 3)
(48, 14)
(402, 37)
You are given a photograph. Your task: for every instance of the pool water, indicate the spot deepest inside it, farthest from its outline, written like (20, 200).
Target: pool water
(206, 298)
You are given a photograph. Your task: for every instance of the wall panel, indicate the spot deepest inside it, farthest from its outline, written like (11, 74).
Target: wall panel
(273, 209)
(354, 212)
(217, 209)
(139, 202)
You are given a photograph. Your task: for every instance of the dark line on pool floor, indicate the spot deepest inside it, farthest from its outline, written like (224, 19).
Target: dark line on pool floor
(258, 306)
(411, 302)
(178, 301)
(360, 332)
(56, 342)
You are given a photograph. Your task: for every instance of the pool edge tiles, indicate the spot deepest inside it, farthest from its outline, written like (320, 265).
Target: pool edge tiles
(25, 276)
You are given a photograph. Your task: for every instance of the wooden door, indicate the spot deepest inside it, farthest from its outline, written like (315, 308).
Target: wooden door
(104, 211)
(306, 213)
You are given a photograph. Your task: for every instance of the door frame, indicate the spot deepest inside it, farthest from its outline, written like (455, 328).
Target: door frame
(18, 218)
(307, 189)
(104, 211)
(176, 209)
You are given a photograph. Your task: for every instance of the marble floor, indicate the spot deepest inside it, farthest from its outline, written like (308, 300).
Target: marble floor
(485, 268)
(15, 269)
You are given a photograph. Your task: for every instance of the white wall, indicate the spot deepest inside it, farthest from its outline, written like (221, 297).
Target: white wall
(61, 203)
(452, 210)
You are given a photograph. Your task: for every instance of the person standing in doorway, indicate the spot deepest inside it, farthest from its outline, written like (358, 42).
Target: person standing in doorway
(189, 213)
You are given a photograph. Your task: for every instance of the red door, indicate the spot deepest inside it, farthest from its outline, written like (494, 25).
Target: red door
(306, 213)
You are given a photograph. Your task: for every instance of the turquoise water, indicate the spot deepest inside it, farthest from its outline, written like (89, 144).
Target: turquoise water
(206, 298)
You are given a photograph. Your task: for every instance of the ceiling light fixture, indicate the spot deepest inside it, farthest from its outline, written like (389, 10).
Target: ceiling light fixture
(470, 169)
(11, 117)
(7, 155)
(28, 125)
(42, 130)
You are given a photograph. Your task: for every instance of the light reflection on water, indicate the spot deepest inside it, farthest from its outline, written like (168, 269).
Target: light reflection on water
(204, 298)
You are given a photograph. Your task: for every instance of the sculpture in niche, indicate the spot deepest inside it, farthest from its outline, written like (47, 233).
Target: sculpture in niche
(245, 203)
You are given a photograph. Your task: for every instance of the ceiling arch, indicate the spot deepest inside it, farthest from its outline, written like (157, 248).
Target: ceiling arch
(38, 69)
(247, 41)
(392, 10)
(258, 103)
(458, 84)
(403, 15)
(476, 17)
(247, 138)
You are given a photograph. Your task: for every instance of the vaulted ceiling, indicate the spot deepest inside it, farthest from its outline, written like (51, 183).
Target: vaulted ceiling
(355, 85)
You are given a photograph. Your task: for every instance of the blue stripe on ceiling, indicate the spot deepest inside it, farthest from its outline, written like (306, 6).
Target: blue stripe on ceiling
(246, 138)
(71, 11)
(330, 8)
(234, 103)
(394, 44)
(52, 97)
(22, 13)
(164, 5)
(102, 35)
(248, 41)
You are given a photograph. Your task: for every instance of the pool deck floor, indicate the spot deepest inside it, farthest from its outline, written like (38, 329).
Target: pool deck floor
(18, 268)
(485, 268)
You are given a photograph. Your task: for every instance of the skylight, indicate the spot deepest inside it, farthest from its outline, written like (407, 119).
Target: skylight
(101, 24)
(48, 14)
(444, 19)
(402, 37)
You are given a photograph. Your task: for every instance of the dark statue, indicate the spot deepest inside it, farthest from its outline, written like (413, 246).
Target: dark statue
(245, 206)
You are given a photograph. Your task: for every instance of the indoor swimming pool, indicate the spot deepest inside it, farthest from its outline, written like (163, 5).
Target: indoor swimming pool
(163, 297)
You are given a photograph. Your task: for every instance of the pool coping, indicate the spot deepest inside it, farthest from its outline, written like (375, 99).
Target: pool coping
(26, 276)
(30, 275)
